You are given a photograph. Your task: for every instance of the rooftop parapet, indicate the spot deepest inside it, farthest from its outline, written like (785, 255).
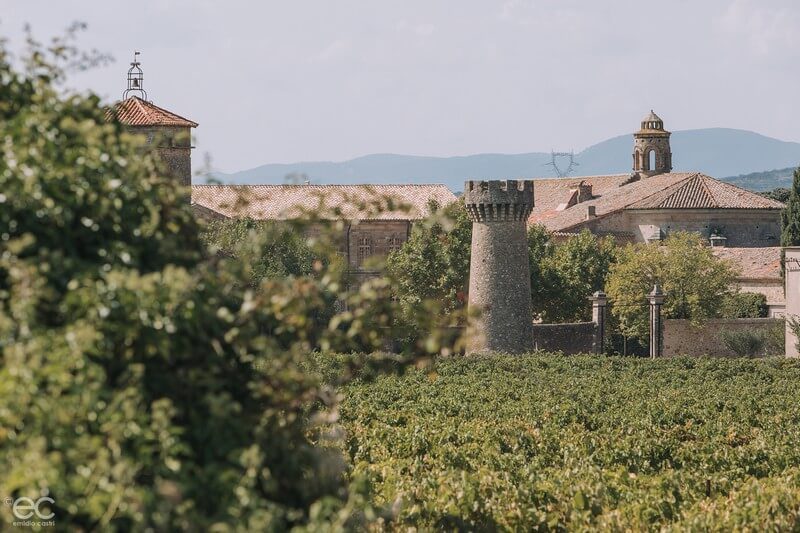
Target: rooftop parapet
(498, 200)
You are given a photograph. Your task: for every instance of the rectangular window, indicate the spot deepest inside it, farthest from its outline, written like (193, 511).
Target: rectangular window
(364, 249)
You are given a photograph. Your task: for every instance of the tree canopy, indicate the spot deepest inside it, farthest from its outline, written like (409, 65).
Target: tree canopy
(696, 282)
(790, 216)
(147, 382)
(564, 275)
(433, 265)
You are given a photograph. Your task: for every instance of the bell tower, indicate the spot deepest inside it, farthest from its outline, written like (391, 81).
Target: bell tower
(135, 80)
(651, 152)
(169, 133)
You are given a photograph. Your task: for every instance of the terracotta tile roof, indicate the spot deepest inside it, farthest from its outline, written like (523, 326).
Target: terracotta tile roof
(701, 192)
(612, 194)
(347, 202)
(134, 111)
(754, 263)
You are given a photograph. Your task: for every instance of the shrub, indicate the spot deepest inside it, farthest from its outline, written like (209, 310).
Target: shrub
(745, 305)
(146, 383)
(744, 343)
(775, 339)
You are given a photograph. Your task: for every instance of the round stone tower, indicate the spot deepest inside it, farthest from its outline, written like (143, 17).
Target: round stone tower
(651, 151)
(499, 271)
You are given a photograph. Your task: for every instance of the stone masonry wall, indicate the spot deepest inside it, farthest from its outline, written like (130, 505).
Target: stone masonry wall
(743, 228)
(681, 338)
(570, 339)
(174, 150)
(374, 238)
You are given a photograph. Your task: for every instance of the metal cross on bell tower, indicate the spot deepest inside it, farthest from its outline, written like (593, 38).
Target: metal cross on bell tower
(135, 79)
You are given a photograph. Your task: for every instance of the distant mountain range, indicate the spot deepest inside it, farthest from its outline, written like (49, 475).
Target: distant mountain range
(717, 152)
(764, 181)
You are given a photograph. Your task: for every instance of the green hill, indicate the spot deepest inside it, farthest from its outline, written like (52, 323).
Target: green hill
(763, 181)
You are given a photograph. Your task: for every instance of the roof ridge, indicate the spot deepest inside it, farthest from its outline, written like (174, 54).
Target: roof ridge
(675, 186)
(622, 207)
(702, 179)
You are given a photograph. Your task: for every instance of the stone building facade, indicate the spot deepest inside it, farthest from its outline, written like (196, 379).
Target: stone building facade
(651, 202)
(168, 132)
(370, 221)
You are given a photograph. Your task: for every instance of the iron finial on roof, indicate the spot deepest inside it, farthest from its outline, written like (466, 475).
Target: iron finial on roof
(135, 79)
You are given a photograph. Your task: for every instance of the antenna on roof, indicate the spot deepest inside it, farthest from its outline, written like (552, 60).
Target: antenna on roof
(135, 79)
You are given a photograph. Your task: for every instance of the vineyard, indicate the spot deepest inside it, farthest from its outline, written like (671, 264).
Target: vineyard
(553, 443)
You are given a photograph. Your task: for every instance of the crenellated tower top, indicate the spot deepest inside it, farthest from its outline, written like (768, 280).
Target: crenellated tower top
(498, 200)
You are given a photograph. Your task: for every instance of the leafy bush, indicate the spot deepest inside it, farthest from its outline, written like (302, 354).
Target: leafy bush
(745, 305)
(271, 250)
(775, 339)
(531, 443)
(744, 343)
(145, 382)
(564, 275)
(433, 265)
(695, 281)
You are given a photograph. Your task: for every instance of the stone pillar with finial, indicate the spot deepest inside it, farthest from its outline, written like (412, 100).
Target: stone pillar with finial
(599, 304)
(656, 299)
(499, 276)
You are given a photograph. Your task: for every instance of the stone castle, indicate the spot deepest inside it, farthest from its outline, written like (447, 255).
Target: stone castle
(644, 205)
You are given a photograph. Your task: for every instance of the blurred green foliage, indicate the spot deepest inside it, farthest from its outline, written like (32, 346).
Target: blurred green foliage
(148, 382)
(544, 443)
(272, 249)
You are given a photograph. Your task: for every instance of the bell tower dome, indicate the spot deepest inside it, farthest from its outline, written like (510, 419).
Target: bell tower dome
(651, 151)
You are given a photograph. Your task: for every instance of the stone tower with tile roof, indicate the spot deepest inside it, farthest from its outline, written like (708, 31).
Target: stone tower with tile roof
(169, 132)
(499, 271)
(651, 150)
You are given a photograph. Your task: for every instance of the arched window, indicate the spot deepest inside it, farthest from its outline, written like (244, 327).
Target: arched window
(364, 249)
(651, 156)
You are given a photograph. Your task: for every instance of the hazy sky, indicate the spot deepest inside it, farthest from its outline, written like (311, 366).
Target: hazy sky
(299, 80)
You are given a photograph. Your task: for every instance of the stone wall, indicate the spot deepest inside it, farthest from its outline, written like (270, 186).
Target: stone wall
(742, 227)
(571, 338)
(681, 338)
(792, 262)
(174, 149)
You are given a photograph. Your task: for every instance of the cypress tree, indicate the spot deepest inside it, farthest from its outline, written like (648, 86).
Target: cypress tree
(790, 217)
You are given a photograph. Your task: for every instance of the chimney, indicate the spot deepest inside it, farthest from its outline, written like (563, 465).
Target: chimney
(584, 192)
(591, 212)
